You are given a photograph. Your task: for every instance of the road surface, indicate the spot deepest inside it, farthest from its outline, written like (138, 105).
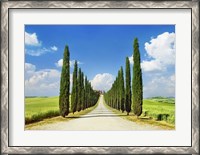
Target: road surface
(99, 119)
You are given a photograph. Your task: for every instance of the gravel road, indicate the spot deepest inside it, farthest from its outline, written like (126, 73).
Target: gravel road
(101, 118)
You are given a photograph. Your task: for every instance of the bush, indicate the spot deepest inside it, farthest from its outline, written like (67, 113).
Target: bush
(41, 116)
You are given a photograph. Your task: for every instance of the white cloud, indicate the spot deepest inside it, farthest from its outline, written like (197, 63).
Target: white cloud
(31, 39)
(160, 86)
(102, 81)
(37, 52)
(34, 46)
(152, 65)
(131, 59)
(59, 63)
(44, 82)
(54, 48)
(161, 50)
(29, 67)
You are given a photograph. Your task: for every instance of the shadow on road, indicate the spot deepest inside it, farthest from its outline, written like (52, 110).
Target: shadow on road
(97, 115)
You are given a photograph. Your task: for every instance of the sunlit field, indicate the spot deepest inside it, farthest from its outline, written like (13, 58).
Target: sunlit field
(160, 109)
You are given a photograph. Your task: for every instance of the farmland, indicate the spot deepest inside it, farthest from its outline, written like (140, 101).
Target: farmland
(160, 108)
(38, 108)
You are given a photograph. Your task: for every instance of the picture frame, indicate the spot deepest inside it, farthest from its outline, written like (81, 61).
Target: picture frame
(7, 6)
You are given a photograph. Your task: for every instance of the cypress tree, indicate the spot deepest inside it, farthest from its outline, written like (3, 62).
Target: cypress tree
(86, 93)
(128, 87)
(64, 84)
(74, 95)
(118, 91)
(79, 90)
(137, 81)
(122, 98)
(82, 92)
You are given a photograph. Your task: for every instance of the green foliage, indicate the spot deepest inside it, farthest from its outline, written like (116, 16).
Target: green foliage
(115, 97)
(86, 93)
(74, 95)
(121, 98)
(64, 85)
(85, 96)
(41, 116)
(128, 87)
(159, 110)
(118, 91)
(137, 81)
(79, 90)
(122, 93)
(82, 92)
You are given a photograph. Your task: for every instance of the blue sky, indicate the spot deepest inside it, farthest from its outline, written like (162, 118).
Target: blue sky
(100, 51)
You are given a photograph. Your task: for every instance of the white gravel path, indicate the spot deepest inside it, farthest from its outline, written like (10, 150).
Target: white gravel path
(100, 119)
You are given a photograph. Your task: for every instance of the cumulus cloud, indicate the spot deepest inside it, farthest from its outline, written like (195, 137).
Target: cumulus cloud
(161, 51)
(160, 86)
(54, 48)
(102, 81)
(152, 65)
(29, 67)
(44, 82)
(59, 63)
(31, 39)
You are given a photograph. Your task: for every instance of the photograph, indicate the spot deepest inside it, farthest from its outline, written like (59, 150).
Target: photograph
(99, 77)
(103, 77)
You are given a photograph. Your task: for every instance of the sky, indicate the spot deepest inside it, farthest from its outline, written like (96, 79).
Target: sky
(100, 51)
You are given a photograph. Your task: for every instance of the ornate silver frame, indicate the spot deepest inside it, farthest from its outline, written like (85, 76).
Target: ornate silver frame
(6, 5)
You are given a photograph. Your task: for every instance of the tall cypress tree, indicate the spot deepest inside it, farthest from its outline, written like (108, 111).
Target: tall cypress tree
(128, 87)
(137, 81)
(74, 95)
(79, 90)
(64, 84)
(118, 91)
(122, 98)
(86, 93)
(82, 92)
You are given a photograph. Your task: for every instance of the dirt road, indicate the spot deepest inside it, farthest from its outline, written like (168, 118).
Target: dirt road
(101, 118)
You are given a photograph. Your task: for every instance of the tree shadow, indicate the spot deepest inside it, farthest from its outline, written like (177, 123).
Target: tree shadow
(97, 115)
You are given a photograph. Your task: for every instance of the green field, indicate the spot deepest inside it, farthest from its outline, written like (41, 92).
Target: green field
(160, 108)
(38, 108)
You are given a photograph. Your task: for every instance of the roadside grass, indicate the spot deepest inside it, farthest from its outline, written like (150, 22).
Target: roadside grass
(58, 118)
(152, 108)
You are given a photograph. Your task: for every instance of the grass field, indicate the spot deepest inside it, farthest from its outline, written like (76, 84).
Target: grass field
(38, 108)
(161, 109)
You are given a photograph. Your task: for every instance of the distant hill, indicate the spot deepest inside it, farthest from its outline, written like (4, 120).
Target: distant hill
(160, 97)
(36, 96)
(163, 99)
